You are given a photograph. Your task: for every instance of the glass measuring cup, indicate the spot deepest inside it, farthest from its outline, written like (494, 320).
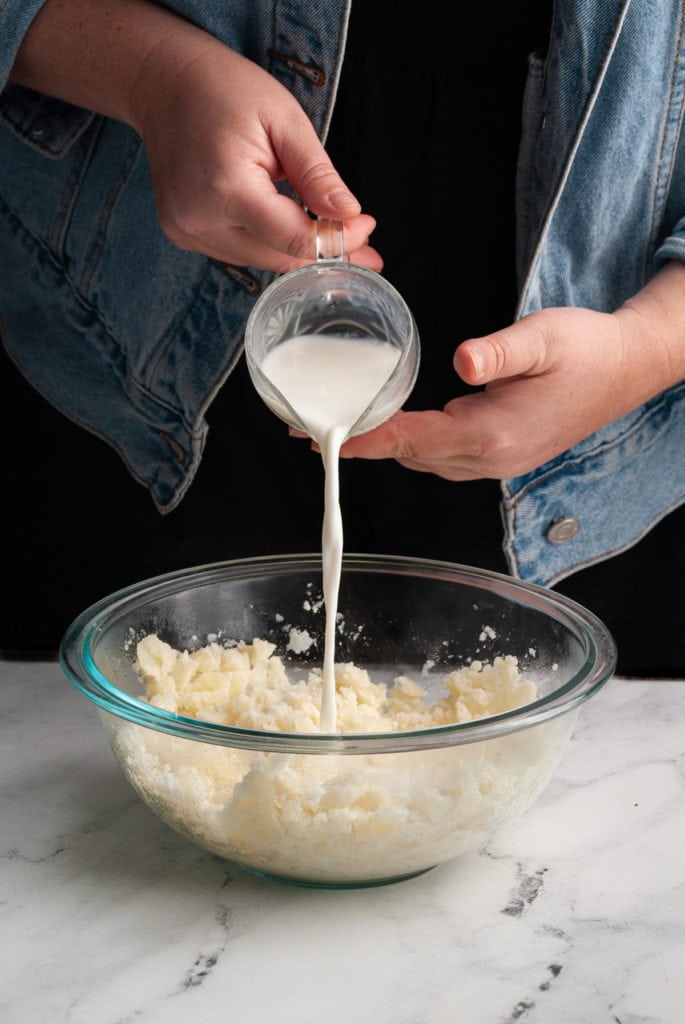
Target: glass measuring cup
(344, 301)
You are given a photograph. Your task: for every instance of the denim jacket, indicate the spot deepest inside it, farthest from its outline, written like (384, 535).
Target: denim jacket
(132, 337)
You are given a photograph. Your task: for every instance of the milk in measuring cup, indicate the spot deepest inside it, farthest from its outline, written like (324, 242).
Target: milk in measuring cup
(329, 382)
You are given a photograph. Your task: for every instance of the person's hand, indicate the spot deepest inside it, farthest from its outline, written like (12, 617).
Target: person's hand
(219, 133)
(550, 380)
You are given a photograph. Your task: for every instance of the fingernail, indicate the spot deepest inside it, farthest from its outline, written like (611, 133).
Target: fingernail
(342, 199)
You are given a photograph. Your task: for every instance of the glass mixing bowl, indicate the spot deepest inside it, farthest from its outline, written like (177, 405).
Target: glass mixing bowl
(361, 808)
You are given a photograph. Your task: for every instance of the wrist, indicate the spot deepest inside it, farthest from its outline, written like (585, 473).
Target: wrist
(170, 51)
(652, 326)
(101, 54)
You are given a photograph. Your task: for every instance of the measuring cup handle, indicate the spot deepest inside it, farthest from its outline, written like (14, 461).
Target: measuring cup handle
(329, 240)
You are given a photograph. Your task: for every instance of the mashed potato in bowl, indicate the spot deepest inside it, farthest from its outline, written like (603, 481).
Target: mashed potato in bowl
(332, 819)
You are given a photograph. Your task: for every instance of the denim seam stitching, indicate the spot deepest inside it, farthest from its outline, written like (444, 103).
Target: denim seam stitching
(79, 422)
(177, 325)
(97, 246)
(48, 255)
(611, 552)
(574, 147)
(601, 449)
(664, 176)
(61, 221)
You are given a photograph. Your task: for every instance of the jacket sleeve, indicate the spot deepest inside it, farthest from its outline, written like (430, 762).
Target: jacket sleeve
(46, 124)
(673, 246)
(15, 19)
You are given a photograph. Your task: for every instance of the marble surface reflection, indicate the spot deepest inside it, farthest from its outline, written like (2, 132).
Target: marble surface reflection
(575, 914)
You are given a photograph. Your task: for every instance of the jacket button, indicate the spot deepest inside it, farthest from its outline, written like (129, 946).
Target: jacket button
(562, 529)
(39, 127)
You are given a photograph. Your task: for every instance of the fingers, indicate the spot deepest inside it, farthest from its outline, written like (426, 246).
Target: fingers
(309, 169)
(236, 245)
(231, 241)
(290, 149)
(465, 441)
(237, 133)
(277, 222)
(283, 225)
(260, 227)
(426, 442)
(417, 436)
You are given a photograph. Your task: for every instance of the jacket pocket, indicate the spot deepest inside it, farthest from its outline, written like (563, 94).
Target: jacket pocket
(42, 122)
(65, 203)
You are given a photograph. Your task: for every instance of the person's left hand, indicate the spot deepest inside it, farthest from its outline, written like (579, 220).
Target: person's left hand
(550, 380)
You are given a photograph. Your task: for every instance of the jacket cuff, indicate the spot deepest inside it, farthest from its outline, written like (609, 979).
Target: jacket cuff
(673, 247)
(15, 19)
(43, 122)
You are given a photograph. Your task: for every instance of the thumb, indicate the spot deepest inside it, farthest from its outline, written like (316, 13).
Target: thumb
(519, 350)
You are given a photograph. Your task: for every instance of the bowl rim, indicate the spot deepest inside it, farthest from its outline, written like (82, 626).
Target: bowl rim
(76, 659)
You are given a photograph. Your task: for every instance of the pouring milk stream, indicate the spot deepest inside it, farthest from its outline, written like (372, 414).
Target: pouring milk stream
(333, 350)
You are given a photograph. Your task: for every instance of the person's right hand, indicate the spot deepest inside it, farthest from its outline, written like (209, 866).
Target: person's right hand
(219, 132)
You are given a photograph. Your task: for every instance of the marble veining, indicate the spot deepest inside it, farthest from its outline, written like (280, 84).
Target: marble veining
(573, 914)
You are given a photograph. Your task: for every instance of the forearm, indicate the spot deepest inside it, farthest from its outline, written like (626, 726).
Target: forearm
(101, 54)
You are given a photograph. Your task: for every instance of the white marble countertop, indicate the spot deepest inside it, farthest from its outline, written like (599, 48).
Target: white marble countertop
(575, 914)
